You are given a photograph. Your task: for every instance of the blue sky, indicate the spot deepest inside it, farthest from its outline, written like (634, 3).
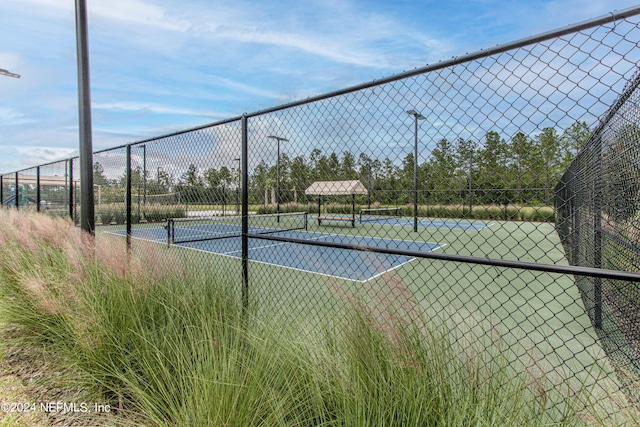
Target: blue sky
(159, 66)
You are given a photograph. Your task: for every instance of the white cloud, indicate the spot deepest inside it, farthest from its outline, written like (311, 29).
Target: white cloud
(341, 32)
(135, 12)
(243, 87)
(47, 154)
(138, 12)
(159, 65)
(12, 117)
(9, 60)
(561, 12)
(14, 158)
(157, 109)
(335, 50)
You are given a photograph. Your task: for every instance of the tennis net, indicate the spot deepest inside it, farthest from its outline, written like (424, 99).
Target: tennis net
(379, 214)
(198, 229)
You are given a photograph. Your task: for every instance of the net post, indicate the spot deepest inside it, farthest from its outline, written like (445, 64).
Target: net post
(128, 198)
(245, 215)
(169, 227)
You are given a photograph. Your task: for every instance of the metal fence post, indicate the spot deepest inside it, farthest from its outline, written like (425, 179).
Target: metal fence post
(128, 198)
(579, 204)
(245, 215)
(71, 190)
(17, 192)
(1, 192)
(38, 194)
(597, 225)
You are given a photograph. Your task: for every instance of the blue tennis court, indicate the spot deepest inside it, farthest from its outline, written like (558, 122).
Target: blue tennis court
(354, 265)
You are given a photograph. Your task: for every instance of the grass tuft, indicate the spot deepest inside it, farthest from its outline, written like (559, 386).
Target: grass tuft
(165, 342)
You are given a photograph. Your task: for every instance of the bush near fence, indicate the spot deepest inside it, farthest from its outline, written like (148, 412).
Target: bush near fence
(107, 215)
(484, 212)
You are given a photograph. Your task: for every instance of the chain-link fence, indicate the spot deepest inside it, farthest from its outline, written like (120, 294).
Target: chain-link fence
(597, 201)
(429, 192)
(47, 188)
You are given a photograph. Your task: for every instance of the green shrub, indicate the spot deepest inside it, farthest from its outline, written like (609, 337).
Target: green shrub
(284, 208)
(117, 214)
(479, 212)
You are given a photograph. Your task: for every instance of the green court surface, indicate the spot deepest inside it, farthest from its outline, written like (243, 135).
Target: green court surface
(536, 318)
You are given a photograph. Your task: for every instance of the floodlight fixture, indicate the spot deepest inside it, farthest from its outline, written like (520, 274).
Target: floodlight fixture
(416, 114)
(9, 73)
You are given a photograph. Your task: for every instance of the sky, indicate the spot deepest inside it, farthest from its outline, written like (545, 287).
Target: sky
(160, 66)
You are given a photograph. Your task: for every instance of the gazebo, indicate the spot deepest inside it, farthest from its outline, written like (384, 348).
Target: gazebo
(336, 188)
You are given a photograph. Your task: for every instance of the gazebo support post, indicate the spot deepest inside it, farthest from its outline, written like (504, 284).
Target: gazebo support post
(353, 208)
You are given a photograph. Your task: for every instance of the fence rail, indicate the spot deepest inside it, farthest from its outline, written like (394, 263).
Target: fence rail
(522, 161)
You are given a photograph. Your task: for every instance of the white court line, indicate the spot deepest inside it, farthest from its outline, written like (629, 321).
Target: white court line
(406, 262)
(274, 245)
(409, 224)
(320, 236)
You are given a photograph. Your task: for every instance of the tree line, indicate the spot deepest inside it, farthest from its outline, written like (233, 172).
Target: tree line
(519, 169)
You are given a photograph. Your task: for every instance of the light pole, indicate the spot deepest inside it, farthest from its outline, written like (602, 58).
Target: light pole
(87, 209)
(238, 188)
(9, 73)
(277, 138)
(417, 116)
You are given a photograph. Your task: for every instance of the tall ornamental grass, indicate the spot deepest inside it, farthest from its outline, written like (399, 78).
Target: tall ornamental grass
(166, 343)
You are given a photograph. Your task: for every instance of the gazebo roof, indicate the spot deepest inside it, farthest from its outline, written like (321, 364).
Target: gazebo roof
(336, 188)
(54, 180)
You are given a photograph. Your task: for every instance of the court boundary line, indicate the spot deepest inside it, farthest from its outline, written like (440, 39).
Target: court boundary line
(438, 228)
(227, 254)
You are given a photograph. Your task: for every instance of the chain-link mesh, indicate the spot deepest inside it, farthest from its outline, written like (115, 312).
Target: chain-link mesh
(110, 187)
(54, 188)
(427, 194)
(492, 138)
(597, 203)
(27, 180)
(74, 190)
(9, 190)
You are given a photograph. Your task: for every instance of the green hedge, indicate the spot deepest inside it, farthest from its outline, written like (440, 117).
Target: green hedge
(151, 213)
(284, 208)
(481, 212)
